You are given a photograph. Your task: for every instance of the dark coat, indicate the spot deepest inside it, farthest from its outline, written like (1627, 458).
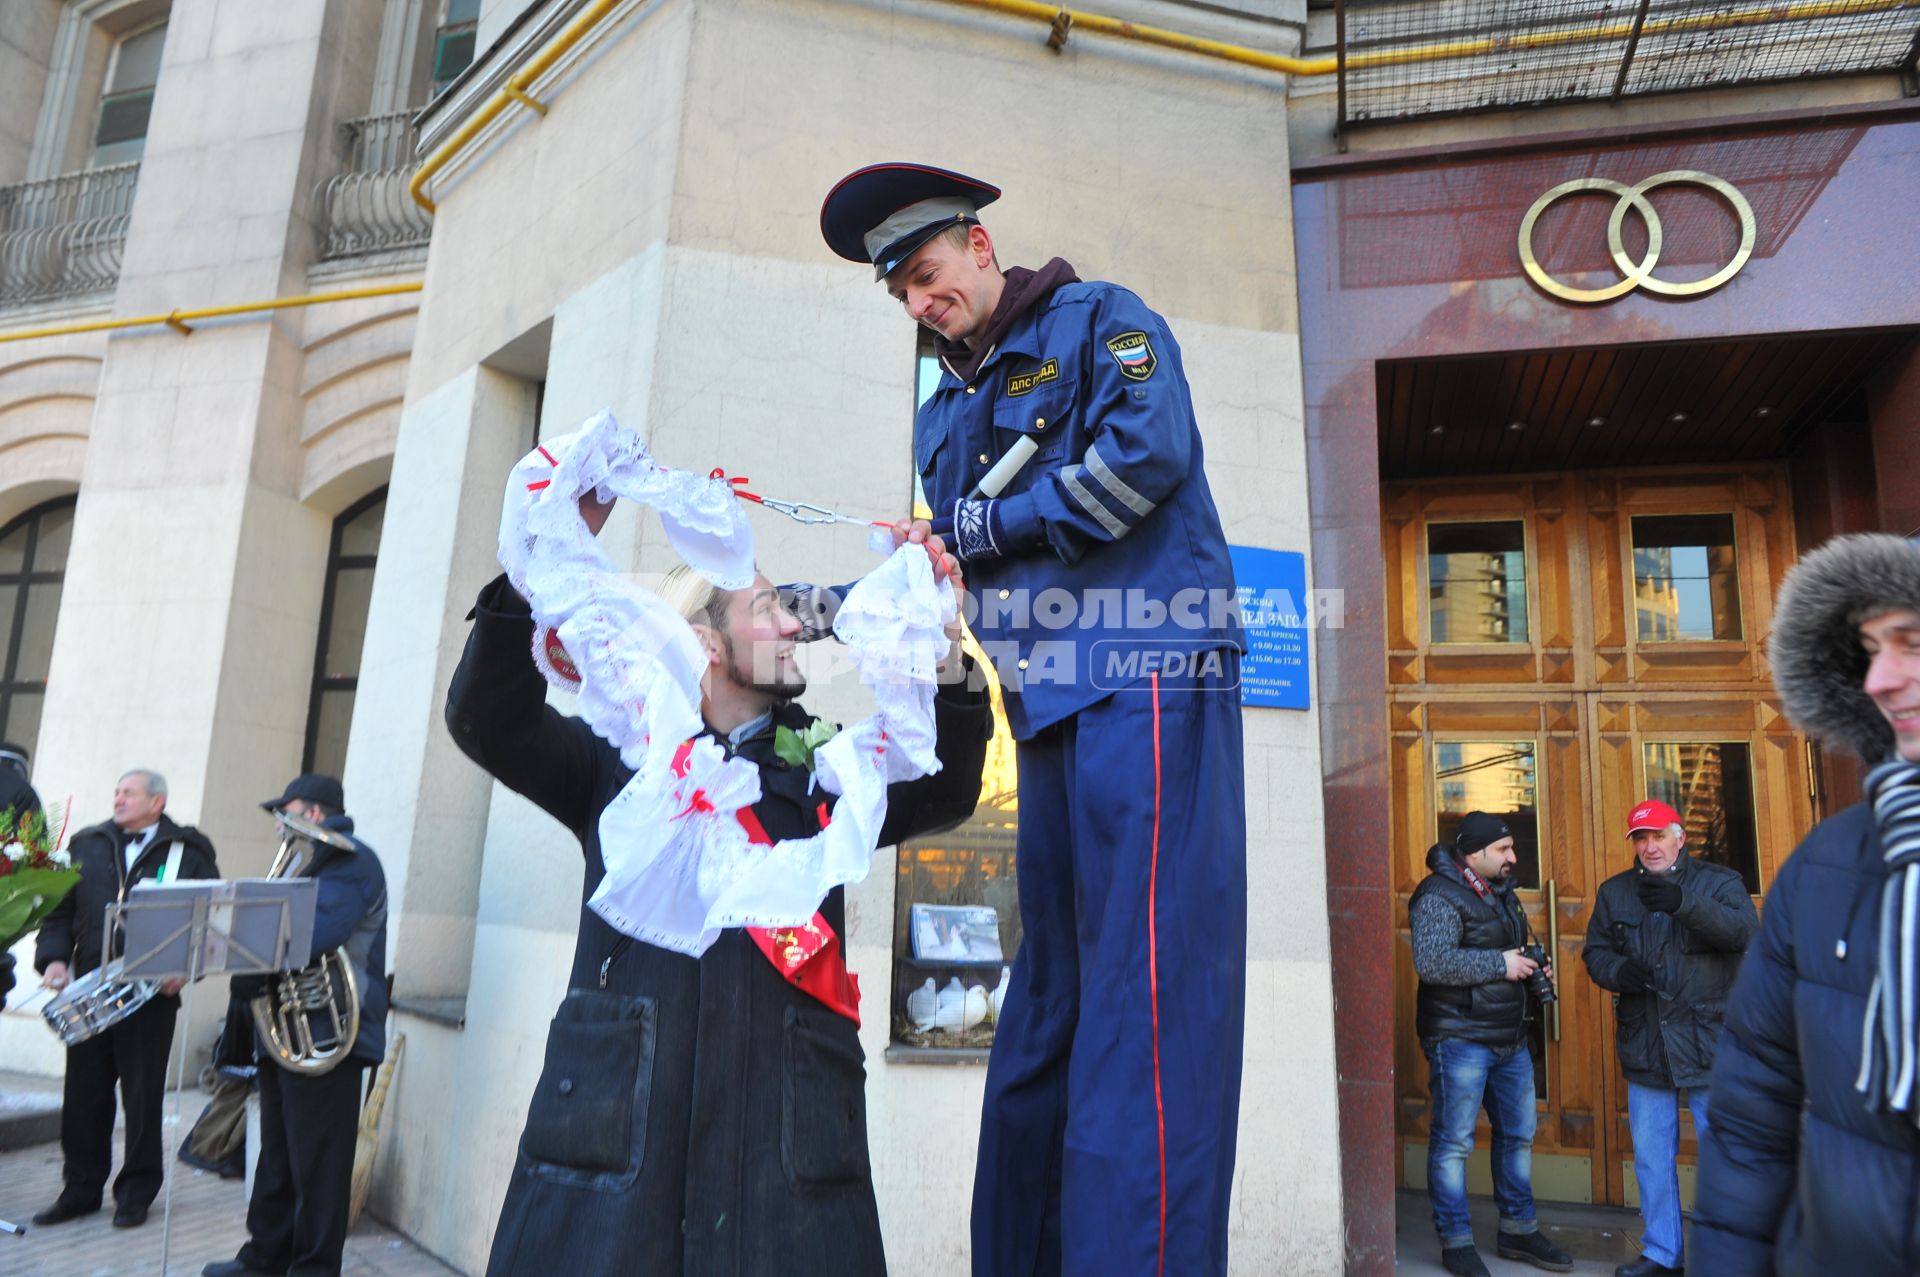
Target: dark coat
(350, 912)
(1666, 1034)
(17, 795)
(73, 931)
(1492, 1014)
(698, 1117)
(1800, 1175)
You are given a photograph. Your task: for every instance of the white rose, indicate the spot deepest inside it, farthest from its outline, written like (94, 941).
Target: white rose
(14, 851)
(62, 859)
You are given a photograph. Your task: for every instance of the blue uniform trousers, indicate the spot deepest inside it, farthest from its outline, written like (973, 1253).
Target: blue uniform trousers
(1107, 1138)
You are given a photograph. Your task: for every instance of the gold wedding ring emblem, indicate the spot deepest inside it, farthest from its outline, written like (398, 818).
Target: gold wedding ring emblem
(1637, 274)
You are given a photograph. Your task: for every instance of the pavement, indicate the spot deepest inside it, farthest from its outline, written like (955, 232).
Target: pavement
(1597, 1237)
(208, 1217)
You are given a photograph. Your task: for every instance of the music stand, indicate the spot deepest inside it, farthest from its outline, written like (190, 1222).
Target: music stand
(196, 927)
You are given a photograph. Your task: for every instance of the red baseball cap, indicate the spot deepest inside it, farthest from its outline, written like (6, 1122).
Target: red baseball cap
(1652, 814)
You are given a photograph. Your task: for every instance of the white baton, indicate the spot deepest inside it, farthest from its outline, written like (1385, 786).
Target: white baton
(995, 480)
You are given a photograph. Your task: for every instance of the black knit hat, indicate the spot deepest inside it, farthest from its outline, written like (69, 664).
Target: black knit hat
(1477, 831)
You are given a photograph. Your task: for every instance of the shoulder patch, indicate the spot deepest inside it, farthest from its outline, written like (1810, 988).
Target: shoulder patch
(1134, 354)
(1022, 383)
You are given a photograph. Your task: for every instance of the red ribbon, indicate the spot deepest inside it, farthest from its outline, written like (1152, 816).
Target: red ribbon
(807, 957)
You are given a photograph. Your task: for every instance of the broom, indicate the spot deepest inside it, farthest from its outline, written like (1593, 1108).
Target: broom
(367, 1145)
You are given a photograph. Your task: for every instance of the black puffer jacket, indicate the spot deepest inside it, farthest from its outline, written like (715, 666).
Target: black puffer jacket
(1493, 1013)
(73, 931)
(1801, 1175)
(1666, 1034)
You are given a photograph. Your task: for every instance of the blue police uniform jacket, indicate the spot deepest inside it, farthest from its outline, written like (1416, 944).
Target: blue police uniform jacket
(1114, 564)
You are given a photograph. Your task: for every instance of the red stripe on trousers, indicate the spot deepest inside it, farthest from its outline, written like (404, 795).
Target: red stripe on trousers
(1153, 975)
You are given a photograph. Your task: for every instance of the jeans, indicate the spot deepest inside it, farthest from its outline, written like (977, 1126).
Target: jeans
(1653, 1112)
(1463, 1075)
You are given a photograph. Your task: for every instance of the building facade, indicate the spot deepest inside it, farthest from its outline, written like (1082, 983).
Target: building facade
(242, 544)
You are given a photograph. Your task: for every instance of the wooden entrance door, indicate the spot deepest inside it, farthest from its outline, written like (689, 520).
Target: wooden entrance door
(1560, 647)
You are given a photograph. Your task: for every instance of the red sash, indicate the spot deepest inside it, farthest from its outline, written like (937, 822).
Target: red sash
(808, 956)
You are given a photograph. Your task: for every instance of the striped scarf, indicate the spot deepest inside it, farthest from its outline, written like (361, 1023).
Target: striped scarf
(1890, 1032)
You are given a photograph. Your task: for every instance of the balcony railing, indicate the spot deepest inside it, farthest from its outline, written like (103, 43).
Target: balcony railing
(367, 209)
(62, 236)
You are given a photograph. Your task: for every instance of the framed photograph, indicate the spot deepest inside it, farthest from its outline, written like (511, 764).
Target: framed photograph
(960, 934)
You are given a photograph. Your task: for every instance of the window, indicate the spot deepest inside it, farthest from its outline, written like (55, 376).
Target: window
(1686, 580)
(1710, 783)
(956, 911)
(120, 134)
(453, 44)
(33, 565)
(1497, 777)
(1477, 582)
(343, 630)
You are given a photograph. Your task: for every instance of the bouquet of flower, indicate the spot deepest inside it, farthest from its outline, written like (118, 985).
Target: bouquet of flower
(35, 873)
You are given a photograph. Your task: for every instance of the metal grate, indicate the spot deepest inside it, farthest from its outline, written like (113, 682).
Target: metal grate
(62, 236)
(1410, 60)
(367, 208)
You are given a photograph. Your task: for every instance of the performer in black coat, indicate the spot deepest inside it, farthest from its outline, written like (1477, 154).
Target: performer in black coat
(140, 842)
(695, 1117)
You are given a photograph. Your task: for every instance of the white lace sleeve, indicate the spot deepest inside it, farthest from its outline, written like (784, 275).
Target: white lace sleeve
(679, 864)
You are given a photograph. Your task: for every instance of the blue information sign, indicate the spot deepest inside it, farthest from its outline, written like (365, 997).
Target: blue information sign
(1274, 603)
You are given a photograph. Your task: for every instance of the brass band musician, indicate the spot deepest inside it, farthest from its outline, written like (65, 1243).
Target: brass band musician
(310, 1094)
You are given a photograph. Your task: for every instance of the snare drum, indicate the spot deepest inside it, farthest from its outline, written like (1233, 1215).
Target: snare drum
(96, 1002)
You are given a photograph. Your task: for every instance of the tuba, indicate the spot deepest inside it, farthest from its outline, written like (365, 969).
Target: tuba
(310, 1017)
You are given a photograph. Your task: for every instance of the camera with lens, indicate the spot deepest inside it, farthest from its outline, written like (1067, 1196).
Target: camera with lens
(1539, 984)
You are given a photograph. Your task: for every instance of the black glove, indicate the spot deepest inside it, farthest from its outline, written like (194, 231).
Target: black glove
(971, 530)
(1660, 893)
(1634, 976)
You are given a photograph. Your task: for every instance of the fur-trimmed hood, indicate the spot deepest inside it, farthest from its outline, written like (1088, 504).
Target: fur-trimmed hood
(1819, 666)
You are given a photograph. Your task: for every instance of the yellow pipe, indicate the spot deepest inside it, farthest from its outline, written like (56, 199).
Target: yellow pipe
(515, 90)
(177, 319)
(1756, 15)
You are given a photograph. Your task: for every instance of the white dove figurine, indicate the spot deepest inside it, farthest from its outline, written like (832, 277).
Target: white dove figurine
(922, 1004)
(951, 1010)
(979, 1002)
(998, 997)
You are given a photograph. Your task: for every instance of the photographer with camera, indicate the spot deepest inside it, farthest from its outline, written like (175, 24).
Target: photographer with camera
(1666, 937)
(1479, 974)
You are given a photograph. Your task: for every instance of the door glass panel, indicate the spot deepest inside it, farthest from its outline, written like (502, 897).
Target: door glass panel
(1710, 783)
(1498, 777)
(1685, 581)
(1477, 582)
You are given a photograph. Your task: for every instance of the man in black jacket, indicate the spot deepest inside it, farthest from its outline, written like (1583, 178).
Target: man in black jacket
(140, 842)
(1471, 1014)
(695, 1117)
(1666, 937)
(309, 1122)
(18, 804)
(1811, 1163)
(16, 786)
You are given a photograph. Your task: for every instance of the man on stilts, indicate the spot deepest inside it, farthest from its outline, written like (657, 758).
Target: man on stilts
(1105, 588)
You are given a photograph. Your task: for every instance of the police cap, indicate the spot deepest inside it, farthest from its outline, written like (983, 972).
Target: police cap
(882, 212)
